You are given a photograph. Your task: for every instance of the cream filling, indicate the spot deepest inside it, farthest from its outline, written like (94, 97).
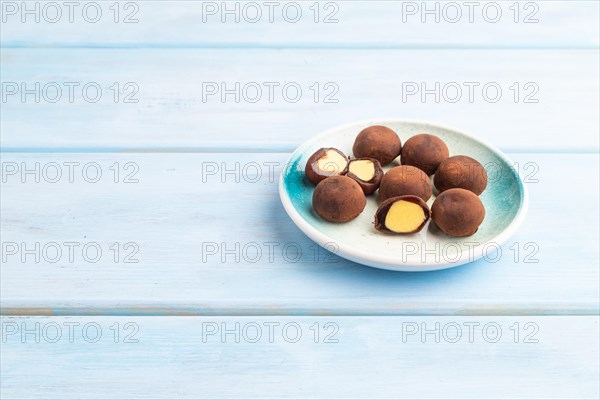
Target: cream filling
(404, 216)
(363, 169)
(332, 162)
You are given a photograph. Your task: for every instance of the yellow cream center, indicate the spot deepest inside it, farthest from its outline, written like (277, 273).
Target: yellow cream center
(404, 216)
(332, 162)
(363, 169)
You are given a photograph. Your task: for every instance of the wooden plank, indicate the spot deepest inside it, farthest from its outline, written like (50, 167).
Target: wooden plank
(303, 24)
(353, 357)
(212, 241)
(175, 109)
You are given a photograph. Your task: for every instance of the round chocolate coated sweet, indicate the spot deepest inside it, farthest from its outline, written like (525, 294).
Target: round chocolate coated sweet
(461, 172)
(324, 163)
(457, 212)
(405, 180)
(378, 142)
(338, 199)
(402, 215)
(367, 172)
(425, 152)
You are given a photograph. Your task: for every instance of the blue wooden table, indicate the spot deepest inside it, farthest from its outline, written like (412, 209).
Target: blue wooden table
(145, 253)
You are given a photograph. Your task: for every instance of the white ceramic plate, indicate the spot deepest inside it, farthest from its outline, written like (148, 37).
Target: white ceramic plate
(505, 200)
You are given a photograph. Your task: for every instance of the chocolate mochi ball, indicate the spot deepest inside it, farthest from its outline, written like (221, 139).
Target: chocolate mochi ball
(324, 163)
(401, 215)
(338, 199)
(461, 172)
(367, 172)
(378, 142)
(458, 212)
(405, 180)
(425, 152)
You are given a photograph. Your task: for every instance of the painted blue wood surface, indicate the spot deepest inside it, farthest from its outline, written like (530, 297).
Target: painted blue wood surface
(170, 112)
(205, 234)
(353, 357)
(339, 24)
